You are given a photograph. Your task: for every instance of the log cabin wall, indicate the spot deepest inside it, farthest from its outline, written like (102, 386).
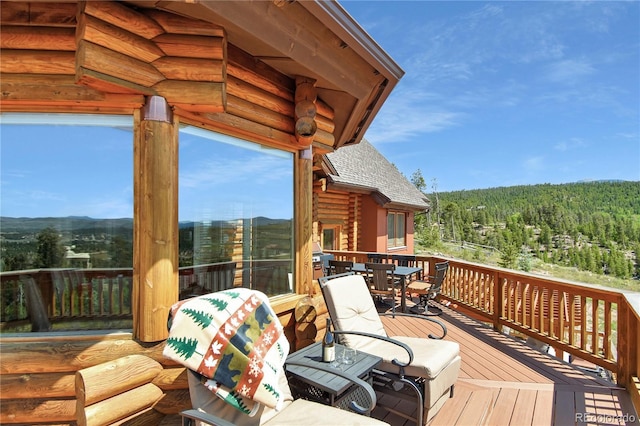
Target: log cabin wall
(37, 374)
(108, 58)
(337, 208)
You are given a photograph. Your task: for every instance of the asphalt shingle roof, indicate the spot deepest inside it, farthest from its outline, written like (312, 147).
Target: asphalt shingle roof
(361, 165)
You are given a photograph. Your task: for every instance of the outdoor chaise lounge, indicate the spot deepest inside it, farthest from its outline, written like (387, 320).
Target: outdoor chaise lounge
(421, 369)
(234, 348)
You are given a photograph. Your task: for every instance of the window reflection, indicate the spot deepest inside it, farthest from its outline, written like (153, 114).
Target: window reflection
(236, 214)
(66, 221)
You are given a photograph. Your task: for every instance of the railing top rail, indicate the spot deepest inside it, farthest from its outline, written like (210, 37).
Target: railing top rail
(550, 281)
(590, 290)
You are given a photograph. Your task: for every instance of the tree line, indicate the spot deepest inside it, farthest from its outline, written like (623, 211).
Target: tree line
(593, 226)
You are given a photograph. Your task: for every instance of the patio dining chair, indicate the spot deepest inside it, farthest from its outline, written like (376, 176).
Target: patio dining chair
(377, 257)
(406, 260)
(339, 266)
(422, 370)
(381, 281)
(428, 290)
(234, 348)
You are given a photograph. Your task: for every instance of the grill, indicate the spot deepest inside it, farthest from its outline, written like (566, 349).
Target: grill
(320, 261)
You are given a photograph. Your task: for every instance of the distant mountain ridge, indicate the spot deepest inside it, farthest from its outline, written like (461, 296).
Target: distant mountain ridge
(610, 196)
(68, 223)
(80, 223)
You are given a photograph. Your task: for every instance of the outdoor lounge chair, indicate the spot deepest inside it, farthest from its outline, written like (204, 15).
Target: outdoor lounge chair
(423, 370)
(208, 409)
(427, 290)
(234, 348)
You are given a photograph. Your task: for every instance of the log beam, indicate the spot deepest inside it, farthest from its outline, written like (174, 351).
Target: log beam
(305, 111)
(155, 210)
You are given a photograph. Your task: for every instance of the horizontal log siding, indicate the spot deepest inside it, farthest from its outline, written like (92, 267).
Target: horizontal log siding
(338, 208)
(355, 217)
(37, 373)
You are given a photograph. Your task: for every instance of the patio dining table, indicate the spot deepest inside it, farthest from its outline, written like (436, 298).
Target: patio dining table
(404, 273)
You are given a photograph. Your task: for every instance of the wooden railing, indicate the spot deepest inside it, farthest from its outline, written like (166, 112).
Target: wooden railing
(39, 297)
(597, 324)
(32, 300)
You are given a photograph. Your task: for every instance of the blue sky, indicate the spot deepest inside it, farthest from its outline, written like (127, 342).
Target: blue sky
(509, 93)
(494, 94)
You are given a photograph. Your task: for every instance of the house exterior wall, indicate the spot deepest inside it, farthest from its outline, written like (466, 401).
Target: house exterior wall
(362, 221)
(340, 211)
(374, 225)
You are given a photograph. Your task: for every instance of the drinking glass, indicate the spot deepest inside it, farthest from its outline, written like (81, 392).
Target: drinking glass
(349, 356)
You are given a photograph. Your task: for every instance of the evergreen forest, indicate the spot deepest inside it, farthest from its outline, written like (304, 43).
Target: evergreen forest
(590, 226)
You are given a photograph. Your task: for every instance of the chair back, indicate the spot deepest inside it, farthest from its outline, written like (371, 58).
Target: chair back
(380, 276)
(339, 266)
(438, 279)
(404, 259)
(351, 308)
(203, 399)
(377, 257)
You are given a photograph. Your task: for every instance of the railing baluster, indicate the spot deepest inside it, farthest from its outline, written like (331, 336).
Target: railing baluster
(583, 323)
(595, 338)
(607, 330)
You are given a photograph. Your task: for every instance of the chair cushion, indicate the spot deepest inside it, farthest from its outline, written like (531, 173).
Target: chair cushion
(418, 286)
(313, 414)
(430, 356)
(351, 308)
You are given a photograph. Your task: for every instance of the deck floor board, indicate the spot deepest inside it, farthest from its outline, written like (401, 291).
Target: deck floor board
(503, 381)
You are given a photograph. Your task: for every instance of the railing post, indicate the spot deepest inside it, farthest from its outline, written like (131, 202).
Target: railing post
(497, 300)
(624, 372)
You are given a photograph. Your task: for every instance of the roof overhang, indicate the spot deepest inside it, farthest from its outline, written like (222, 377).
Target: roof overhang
(315, 39)
(375, 193)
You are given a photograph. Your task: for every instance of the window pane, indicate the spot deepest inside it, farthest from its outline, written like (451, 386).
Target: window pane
(391, 230)
(400, 220)
(328, 238)
(236, 214)
(66, 221)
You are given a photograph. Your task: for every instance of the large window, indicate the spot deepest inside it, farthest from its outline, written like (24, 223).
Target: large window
(66, 221)
(236, 214)
(396, 229)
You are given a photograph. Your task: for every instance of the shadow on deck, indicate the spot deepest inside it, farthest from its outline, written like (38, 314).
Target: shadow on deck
(506, 382)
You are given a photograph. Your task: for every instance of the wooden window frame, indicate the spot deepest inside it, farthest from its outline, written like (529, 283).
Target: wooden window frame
(337, 230)
(399, 220)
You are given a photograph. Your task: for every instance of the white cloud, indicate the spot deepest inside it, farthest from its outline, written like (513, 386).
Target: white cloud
(534, 163)
(568, 70)
(572, 143)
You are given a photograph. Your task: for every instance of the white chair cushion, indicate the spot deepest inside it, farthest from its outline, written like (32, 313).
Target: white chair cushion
(302, 412)
(351, 308)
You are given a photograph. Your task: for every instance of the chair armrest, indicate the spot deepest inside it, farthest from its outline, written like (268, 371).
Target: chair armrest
(211, 419)
(354, 379)
(395, 361)
(422, 317)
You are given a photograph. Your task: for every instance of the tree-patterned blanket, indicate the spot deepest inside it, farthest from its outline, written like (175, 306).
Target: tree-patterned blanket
(235, 341)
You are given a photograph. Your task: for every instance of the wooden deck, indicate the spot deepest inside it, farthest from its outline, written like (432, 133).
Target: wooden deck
(506, 382)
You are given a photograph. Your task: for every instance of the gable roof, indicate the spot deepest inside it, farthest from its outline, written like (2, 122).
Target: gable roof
(361, 168)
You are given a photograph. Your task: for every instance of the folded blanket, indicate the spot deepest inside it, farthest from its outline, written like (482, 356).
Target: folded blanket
(235, 341)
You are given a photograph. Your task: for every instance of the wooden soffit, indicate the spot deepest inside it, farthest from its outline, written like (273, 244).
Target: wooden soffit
(312, 38)
(232, 64)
